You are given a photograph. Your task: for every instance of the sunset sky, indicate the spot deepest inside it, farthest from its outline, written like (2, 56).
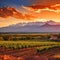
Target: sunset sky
(16, 11)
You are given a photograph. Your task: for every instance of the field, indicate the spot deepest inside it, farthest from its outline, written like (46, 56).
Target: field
(29, 46)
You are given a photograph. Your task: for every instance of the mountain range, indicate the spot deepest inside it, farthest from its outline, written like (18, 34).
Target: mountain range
(49, 26)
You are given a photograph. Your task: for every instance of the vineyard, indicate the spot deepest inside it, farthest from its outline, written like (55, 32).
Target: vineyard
(16, 46)
(29, 44)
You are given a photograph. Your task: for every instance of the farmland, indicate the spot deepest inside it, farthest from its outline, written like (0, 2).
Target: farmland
(24, 48)
(20, 41)
(30, 37)
(27, 44)
(17, 45)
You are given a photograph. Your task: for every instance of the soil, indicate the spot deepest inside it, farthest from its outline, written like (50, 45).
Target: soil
(29, 54)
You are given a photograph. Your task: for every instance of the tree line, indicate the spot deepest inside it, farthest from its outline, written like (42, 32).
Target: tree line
(15, 37)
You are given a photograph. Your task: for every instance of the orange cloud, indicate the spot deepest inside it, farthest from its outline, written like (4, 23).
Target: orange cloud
(32, 13)
(47, 9)
(6, 12)
(53, 8)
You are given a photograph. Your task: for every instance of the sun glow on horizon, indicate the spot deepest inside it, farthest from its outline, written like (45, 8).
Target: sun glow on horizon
(11, 21)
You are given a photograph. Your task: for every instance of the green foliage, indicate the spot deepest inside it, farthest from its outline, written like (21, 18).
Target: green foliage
(38, 37)
(27, 44)
(6, 37)
(44, 48)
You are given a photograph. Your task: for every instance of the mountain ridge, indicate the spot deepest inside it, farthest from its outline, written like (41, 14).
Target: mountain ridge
(46, 27)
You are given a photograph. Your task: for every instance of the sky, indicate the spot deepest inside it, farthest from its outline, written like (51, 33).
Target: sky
(27, 2)
(24, 12)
